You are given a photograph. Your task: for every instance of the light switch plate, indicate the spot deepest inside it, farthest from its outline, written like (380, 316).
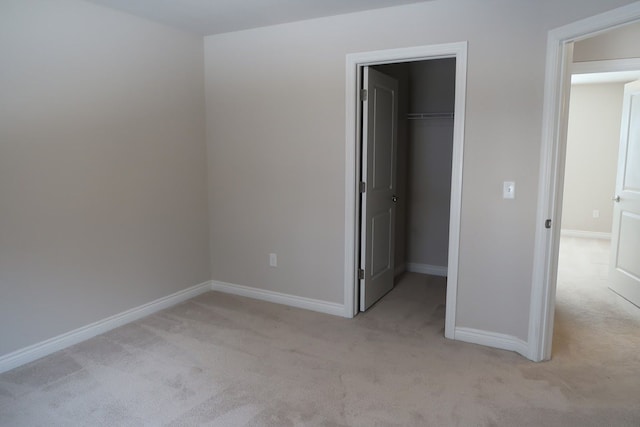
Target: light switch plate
(509, 190)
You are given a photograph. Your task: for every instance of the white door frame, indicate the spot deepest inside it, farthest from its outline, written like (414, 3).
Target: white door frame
(555, 117)
(354, 63)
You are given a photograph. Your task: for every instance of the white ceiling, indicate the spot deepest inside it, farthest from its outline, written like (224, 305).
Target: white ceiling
(207, 17)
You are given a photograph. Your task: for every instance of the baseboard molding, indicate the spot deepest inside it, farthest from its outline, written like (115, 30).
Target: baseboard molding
(44, 348)
(280, 298)
(492, 339)
(585, 234)
(433, 270)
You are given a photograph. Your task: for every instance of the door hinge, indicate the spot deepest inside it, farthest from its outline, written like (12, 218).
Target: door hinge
(363, 187)
(360, 274)
(363, 95)
(547, 224)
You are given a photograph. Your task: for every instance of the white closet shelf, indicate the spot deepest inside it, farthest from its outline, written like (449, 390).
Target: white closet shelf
(420, 116)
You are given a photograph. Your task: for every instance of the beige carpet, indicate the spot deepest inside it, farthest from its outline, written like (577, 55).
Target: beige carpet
(221, 360)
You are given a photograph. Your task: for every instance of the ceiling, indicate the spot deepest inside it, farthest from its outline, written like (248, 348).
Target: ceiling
(206, 17)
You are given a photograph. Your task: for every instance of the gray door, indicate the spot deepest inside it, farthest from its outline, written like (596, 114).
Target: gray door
(379, 147)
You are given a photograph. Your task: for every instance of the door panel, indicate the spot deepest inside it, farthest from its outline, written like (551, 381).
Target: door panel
(632, 157)
(629, 245)
(381, 232)
(624, 274)
(383, 139)
(379, 128)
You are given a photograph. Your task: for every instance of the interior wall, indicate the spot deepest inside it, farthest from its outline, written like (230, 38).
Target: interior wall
(432, 86)
(619, 43)
(276, 124)
(595, 114)
(102, 166)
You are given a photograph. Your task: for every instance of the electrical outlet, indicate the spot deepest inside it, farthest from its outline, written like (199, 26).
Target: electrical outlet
(273, 260)
(596, 213)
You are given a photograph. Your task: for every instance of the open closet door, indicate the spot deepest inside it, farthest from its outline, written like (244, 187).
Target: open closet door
(379, 148)
(624, 274)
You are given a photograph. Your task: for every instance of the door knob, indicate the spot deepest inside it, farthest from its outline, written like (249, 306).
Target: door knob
(394, 198)
(616, 199)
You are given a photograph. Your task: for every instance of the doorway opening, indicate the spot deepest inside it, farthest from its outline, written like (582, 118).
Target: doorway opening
(407, 177)
(401, 64)
(587, 308)
(552, 168)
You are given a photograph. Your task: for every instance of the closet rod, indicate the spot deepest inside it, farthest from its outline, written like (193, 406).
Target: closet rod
(418, 116)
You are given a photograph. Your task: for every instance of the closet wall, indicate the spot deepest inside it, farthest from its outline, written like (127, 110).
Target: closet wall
(430, 146)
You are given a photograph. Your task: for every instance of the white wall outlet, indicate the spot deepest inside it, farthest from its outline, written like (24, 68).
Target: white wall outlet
(596, 213)
(273, 260)
(509, 190)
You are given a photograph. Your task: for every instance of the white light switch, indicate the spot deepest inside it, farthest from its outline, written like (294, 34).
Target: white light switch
(273, 260)
(509, 190)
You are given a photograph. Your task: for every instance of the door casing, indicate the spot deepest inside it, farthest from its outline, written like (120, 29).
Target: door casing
(354, 63)
(555, 118)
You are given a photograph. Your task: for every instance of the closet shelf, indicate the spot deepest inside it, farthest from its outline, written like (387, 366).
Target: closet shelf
(420, 116)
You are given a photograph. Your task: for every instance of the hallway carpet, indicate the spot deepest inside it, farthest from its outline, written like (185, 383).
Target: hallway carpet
(222, 360)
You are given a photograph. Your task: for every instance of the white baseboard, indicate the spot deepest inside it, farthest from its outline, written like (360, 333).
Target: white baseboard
(280, 298)
(585, 234)
(44, 348)
(492, 339)
(433, 270)
(28, 354)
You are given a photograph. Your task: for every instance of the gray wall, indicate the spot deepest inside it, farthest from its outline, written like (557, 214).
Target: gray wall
(102, 166)
(276, 124)
(432, 86)
(595, 113)
(619, 43)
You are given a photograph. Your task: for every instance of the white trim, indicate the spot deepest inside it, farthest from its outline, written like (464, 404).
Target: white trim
(608, 66)
(44, 348)
(433, 270)
(36, 351)
(353, 63)
(492, 339)
(585, 234)
(456, 192)
(279, 298)
(559, 43)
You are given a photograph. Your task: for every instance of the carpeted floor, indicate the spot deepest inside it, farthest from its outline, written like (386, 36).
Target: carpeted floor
(221, 360)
